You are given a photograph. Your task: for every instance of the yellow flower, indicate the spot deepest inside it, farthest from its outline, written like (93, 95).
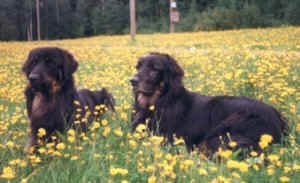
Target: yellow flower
(8, 173)
(213, 169)
(10, 144)
(232, 144)
(71, 132)
(94, 126)
(253, 153)
(97, 155)
(118, 132)
(71, 139)
(298, 127)
(118, 171)
(178, 141)
(77, 116)
(270, 170)
(265, 140)
(296, 167)
(286, 169)
(284, 179)
(273, 158)
(152, 179)
(41, 132)
(106, 131)
(236, 175)
(18, 162)
(224, 153)
(140, 128)
(60, 146)
(242, 166)
(132, 144)
(104, 122)
(113, 171)
(76, 102)
(42, 150)
(56, 153)
(186, 164)
(156, 140)
(150, 168)
(74, 158)
(202, 171)
(50, 145)
(124, 116)
(255, 167)
(34, 160)
(151, 108)
(25, 180)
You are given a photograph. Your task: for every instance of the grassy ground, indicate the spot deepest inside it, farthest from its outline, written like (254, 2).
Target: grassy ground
(258, 63)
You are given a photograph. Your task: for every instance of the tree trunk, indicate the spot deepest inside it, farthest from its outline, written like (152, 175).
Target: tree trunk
(38, 25)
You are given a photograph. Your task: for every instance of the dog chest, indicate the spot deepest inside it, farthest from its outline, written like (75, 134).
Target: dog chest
(38, 105)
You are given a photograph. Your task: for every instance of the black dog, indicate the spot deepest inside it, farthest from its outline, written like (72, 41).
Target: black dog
(199, 120)
(51, 97)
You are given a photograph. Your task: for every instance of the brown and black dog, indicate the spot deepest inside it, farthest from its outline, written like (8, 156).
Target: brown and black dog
(51, 97)
(208, 121)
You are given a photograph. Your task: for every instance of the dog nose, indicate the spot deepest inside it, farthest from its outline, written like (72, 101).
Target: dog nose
(134, 81)
(34, 77)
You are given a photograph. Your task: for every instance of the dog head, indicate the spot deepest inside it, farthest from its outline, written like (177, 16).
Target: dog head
(157, 73)
(48, 68)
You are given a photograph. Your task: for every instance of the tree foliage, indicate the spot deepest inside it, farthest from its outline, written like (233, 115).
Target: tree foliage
(76, 18)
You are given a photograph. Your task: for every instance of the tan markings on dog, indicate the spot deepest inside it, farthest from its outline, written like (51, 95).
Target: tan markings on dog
(146, 101)
(55, 86)
(37, 104)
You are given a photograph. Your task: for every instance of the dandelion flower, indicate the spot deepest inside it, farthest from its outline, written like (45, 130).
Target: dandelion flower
(8, 173)
(118, 132)
(151, 108)
(232, 144)
(265, 140)
(104, 122)
(152, 179)
(106, 131)
(140, 128)
(284, 179)
(60, 146)
(74, 158)
(10, 144)
(224, 153)
(41, 132)
(118, 171)
(132, 144)
(202, 171)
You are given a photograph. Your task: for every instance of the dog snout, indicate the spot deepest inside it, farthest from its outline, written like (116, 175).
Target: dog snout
(34, 78)
(134, 81)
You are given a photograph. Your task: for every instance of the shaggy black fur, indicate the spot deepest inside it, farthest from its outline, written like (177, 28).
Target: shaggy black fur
(50, 94)
(209, 121)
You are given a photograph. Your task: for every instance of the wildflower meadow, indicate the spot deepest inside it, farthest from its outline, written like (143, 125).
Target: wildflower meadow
(259, 63)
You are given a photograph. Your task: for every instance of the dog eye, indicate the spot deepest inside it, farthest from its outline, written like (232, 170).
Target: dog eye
(34, 62)
(153, 74)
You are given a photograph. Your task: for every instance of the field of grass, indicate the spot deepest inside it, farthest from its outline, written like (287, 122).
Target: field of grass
(258, 63)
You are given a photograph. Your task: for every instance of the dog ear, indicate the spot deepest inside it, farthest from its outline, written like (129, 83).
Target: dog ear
(174, 69)
(26, 68)
(70, 65)
(173, 74)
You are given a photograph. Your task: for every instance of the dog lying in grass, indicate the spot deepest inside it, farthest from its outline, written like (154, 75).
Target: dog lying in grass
(206, 122)
(52, 101)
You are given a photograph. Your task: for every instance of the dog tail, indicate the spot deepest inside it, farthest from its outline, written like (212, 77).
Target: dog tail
(104, 97)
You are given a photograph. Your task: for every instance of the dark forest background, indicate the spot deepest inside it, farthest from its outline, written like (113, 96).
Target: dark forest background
(78, 18)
